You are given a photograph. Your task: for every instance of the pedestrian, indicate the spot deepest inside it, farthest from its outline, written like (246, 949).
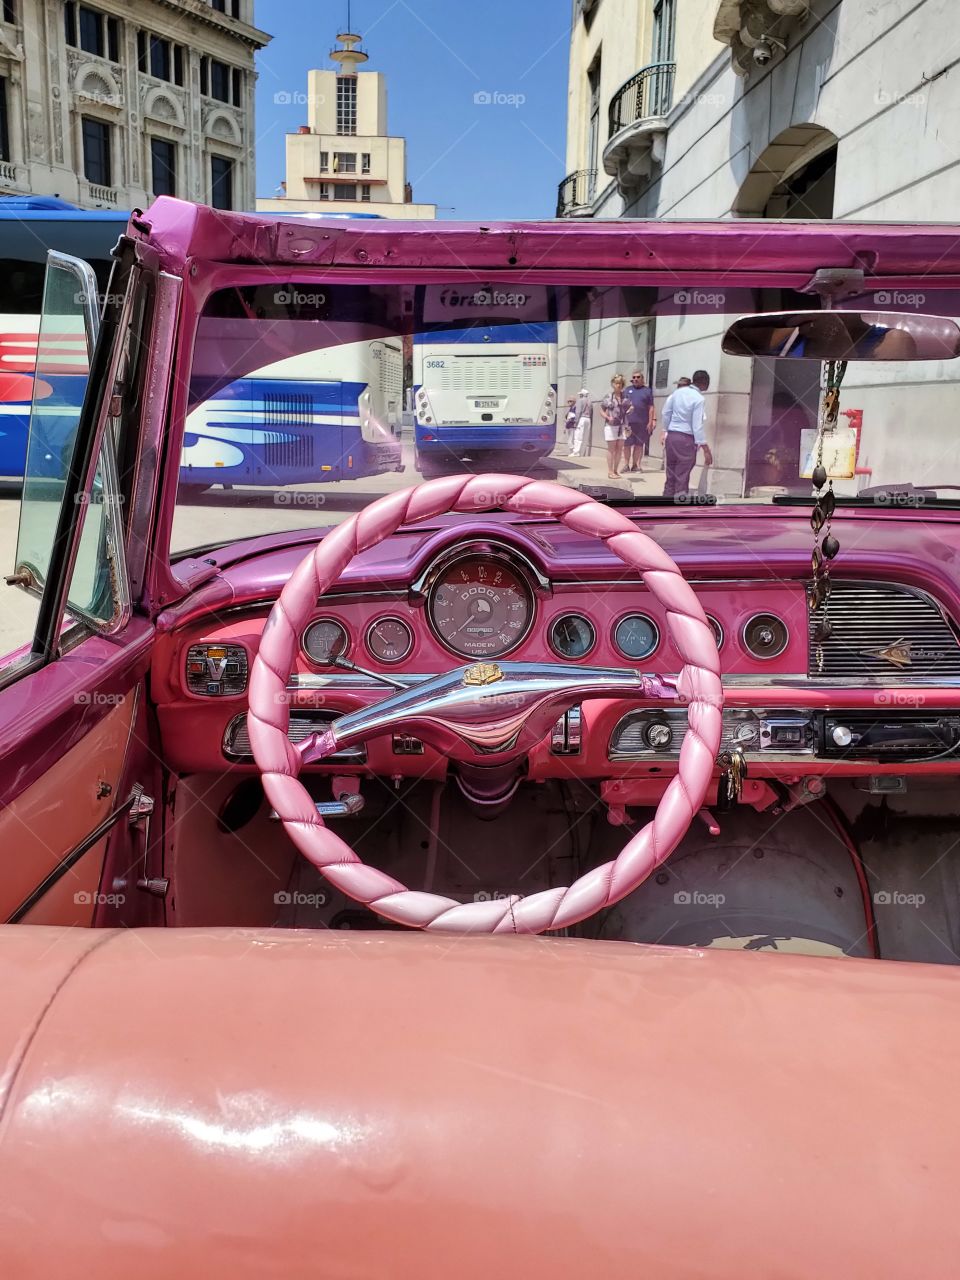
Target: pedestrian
(584, 412)
(641, 420)
(570, 423)
(614, 409)
(683, 433)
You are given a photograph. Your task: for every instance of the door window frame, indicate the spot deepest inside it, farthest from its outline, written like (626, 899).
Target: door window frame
(94, 447)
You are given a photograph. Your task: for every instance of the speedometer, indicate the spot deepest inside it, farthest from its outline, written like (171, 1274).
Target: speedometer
(480, 607)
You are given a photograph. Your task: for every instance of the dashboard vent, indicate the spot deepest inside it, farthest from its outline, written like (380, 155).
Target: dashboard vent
(236, 739)
(883, 631)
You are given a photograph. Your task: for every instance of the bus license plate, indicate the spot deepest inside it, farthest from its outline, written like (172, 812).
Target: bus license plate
(486, 404)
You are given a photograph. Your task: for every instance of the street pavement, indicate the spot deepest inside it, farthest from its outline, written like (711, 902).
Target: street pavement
(221, 516)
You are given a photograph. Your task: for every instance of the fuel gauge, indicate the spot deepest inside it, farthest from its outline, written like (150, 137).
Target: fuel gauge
(390, 639)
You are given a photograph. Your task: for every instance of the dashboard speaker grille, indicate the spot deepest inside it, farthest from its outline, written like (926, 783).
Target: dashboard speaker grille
(236, 739)
(886, 631)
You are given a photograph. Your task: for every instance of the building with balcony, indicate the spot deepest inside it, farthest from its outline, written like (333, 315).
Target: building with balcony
(343, 159)
(110, 104)
(753, 109)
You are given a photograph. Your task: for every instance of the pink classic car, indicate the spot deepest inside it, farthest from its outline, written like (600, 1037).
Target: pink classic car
(550, 871)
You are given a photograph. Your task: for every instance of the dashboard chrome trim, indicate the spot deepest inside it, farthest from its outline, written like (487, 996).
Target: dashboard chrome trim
(796, 681)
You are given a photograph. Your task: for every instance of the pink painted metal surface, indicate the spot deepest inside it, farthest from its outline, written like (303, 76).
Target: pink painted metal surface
(280, 762)
(496, 1106)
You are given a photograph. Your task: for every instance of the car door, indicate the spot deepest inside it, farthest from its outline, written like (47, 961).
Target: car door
(77, 771)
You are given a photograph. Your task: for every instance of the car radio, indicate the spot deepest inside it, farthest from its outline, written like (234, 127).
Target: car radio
(871, 735)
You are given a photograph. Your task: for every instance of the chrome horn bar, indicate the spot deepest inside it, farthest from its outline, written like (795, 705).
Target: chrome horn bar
(486, 710)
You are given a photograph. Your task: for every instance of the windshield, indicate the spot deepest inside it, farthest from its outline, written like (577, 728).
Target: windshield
(308, 399)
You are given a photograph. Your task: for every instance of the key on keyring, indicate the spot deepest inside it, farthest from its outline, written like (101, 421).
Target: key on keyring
(735, 772)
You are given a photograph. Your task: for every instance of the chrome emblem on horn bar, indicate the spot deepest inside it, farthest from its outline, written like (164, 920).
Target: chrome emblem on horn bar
(482, 673)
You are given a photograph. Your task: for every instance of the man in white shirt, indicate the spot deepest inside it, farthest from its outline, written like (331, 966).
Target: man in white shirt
(683, 433)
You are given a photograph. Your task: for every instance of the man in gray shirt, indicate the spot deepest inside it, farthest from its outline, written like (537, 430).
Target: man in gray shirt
(683, 433)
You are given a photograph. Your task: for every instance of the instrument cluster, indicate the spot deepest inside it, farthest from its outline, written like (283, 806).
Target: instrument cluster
(483, 601)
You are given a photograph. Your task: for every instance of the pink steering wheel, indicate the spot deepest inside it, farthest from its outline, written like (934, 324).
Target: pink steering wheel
(280, 761)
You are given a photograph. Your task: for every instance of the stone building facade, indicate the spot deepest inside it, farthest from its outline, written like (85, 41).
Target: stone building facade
(844, 109)
(107, 105)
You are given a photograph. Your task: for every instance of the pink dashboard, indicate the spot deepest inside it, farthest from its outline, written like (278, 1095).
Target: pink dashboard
(426, 601)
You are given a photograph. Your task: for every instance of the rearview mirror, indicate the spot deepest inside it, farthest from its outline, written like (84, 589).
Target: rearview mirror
(844, 335)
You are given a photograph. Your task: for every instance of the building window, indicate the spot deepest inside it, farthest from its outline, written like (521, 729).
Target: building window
(593, 118)
(96, 152)
(9, 11)
(221, 182)
(365, 162)
(664, 30)
(365, 191)
(160, 60)
(92, 31)
(346, 105)
(230, 7)
(324, 161)
(219, 81)
(326, 192)
(4, 121)
(163, 165)
(344, 162)
(345, 191)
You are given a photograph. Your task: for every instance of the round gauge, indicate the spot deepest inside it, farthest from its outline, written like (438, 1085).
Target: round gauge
(717, 630)
(325, 640)
(480, 607)
(572, 636)
(765, 635)
(636, 636)
(390, 639)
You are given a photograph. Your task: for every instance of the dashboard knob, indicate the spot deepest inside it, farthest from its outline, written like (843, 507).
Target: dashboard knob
(841, 735)
(658, 735)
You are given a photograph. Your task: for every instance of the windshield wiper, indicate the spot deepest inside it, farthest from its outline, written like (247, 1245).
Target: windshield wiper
(894, 497)
(611, 497)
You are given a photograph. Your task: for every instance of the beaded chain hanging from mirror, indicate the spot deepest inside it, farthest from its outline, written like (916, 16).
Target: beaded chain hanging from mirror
(825, 545)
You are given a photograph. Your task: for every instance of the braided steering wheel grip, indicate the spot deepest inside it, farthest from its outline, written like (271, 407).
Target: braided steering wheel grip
(279, 761)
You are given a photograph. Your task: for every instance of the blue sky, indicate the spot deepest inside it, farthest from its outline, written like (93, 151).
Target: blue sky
(499, 159)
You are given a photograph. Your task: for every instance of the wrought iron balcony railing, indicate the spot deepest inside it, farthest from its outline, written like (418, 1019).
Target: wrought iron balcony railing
(645, 96)
(576, 191)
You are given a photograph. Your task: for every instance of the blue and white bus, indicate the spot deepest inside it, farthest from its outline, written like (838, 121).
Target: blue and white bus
(326, 415)
(333, 416)
(484, 389)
